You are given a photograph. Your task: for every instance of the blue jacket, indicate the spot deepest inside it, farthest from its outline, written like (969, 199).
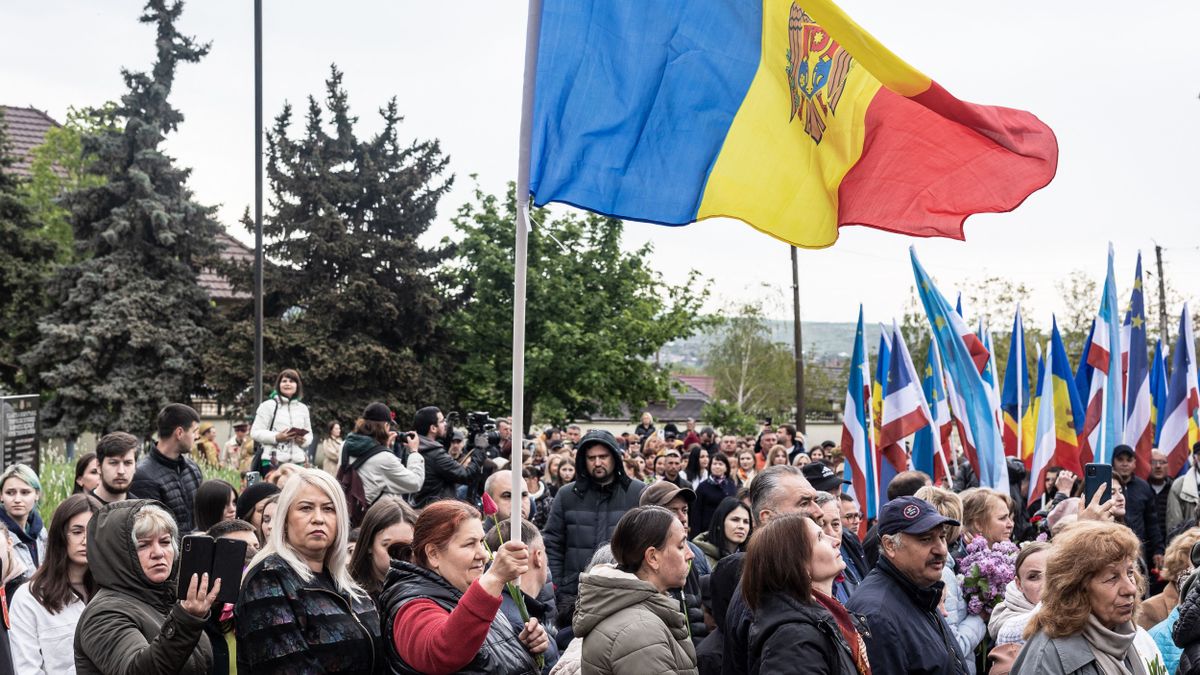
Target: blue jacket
(1162, 637)
(907, 632)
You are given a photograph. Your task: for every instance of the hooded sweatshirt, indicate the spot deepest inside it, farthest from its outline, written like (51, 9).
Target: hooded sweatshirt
(28, 543)
(382, 473)
(133, 626)
(628, 627)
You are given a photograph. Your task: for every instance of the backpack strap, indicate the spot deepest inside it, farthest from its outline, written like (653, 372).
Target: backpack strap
(367, 455)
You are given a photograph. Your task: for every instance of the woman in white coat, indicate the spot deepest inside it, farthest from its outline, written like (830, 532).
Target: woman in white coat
(281, 424)
(43, 612)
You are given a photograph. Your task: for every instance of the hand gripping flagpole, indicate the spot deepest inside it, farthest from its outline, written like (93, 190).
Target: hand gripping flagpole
(533, 27)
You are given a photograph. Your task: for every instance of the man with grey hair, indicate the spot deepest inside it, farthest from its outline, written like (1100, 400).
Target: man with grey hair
(902, 594)
(778, 491)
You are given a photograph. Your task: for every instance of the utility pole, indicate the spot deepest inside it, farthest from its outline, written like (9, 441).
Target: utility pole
(258, 199)
(1162, 298)
(800, 412)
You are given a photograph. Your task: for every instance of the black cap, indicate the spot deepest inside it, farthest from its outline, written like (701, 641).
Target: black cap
(599, 436)
(377, 412)
(910, 515)
(1122, 450)
(822, 478)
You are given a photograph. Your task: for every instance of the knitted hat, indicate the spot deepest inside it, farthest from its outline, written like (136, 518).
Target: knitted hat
(252, 496)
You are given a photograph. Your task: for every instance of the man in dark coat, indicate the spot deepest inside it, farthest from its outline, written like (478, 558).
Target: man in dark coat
(167, 473)
(678, 500)
(901, 595)
(1141, 510)
(586, 511)
(443, 474)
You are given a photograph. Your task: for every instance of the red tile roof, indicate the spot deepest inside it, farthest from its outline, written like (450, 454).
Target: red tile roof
(707, 385)
(217, 286)
(25, 129)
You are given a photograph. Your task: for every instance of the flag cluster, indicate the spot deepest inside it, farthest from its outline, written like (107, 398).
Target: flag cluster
(1120, 393)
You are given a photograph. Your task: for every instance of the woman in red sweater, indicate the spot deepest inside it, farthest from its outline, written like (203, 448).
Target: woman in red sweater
(442, 609)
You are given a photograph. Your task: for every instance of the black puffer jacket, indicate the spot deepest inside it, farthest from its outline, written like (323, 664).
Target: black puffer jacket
(501, 653)
(443, 474)
(584, 515)
(787, 633)
(170, 481)
(1186, 632)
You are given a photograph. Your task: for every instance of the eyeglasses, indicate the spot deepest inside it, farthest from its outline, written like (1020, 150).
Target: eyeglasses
(1158, 462)
(852, 516)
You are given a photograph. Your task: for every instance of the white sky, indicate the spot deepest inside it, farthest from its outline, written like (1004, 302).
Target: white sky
(1119, 87)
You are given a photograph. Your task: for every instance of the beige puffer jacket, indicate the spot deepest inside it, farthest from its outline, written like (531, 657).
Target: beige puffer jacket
(629, 628)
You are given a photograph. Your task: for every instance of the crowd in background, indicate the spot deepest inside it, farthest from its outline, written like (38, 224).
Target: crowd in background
(675, 550)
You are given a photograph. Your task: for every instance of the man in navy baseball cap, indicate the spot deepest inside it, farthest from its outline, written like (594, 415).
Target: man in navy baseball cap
(902, 593)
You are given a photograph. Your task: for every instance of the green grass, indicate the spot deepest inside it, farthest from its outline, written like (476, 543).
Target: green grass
(58, 479)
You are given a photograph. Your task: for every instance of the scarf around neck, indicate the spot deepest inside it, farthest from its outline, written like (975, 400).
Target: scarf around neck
(858, 647)
(1114, 650)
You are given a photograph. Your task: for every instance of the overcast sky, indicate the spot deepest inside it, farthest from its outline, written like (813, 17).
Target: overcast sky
(1119, 87)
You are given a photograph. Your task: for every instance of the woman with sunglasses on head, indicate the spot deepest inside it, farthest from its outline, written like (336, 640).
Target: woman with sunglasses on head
(385, 534)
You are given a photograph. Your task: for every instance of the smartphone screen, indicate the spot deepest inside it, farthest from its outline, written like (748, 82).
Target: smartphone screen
(228, 562)
(196, 558)
(1097, 477)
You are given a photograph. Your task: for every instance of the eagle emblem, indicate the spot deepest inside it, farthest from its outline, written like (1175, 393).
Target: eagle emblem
(817, 67)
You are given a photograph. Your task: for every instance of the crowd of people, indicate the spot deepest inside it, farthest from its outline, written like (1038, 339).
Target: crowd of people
(672, 551)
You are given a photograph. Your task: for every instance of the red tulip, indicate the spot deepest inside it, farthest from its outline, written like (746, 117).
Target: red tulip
(489, 506)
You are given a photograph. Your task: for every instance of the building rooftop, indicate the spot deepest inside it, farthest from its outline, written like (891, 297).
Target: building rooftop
(26, 129)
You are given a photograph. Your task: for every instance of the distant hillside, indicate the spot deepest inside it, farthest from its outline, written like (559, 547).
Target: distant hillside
(822, 339)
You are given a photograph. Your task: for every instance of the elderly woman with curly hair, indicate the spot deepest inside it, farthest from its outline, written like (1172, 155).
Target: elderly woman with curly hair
(1086, 622)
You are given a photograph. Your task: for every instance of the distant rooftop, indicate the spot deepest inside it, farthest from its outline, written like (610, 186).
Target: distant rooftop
(25, 129)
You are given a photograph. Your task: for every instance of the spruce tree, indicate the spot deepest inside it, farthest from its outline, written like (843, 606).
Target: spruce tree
(129, 322)
(351, 299)
(25, 258)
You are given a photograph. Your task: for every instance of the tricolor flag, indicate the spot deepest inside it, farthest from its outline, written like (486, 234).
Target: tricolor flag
(905, 411)
(964, 358)
(857, 443)
(785, 115)
(1030, 420)
(1083, 385)
(883, 358)
(1057, 441)
(1182, 404)
(1139, 428)
(1014, 400)
(1104, 426)
(990, 376)
(1158, 390)
(931, 451)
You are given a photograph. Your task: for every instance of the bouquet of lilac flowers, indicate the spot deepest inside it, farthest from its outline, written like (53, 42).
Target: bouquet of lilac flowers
(984, 574)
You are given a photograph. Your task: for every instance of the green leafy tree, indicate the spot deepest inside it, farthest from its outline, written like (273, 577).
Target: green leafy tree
(352, 300)
(752, 373)
(596, 315)
(59, 166)
(728, 419)
(24, 262)
(129, 322)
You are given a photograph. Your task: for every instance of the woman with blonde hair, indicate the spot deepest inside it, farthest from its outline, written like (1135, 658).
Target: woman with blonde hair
(968, 629)
(777, 455)
(1089, 605)
(988, 514)
(1177, 563)
(300, 609)
(746, 467)
(20, 493)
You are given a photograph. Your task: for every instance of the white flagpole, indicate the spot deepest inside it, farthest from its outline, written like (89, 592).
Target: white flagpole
(533, 29)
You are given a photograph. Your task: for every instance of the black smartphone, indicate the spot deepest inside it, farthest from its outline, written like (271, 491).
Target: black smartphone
(1097, 477)
(229, 559)
(196, 558)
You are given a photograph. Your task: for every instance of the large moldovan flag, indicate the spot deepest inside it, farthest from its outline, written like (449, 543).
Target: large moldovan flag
(785, 115)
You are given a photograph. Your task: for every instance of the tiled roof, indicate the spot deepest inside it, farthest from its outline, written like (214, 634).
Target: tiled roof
(25, 129)
(689, 402)
(217, 286)
(706, 384)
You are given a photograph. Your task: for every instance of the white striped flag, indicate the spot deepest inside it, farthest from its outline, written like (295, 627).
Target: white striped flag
(1104, 426)
(857, 438)
(1139, 427)
(1182, 403)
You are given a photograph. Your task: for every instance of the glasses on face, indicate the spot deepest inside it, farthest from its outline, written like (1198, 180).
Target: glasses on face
(1158, 462)
(852, 516)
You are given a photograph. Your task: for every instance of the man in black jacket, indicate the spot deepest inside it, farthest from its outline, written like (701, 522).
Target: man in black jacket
(901, 595)
(443, 475)
(166, 473)
(585, 512)
(1141, 512)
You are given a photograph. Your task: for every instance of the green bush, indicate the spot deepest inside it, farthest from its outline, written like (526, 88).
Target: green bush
(58, 480)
